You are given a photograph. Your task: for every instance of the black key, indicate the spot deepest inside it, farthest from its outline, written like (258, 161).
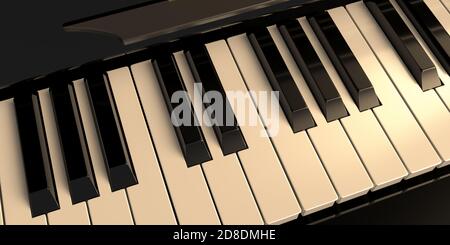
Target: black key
(280, 79)
(78, 165)
(37, 163)
(431, 30)
(190, 137)
(407, 46)
(317, 78)
(353, 76)
(225, 126)
(115, 150)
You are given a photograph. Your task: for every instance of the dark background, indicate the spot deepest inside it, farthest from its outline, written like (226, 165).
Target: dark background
(33, 43)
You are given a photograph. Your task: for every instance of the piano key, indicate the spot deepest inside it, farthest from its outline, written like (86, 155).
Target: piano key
(191, 139)
(188, 189)
(76, 157)
(149, 200)
(42, 193)
(16, 208)
(443, 91)
(226, 179)
(300, 161)
(315, 75)
(415, 58)
(440, 12)
(111, 208)
(427, 108)
(291, 100)
(431, 31)
(228, 133)
(265, 173)
(367, 136)
(446, 3)
(405, 133)
(341, 163)
(348, 67)
(69, 214)
(115, 150)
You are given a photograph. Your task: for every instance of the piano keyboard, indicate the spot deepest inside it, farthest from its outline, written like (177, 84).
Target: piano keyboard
(364, 94)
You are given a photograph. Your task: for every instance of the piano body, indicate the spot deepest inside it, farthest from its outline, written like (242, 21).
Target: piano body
(362, 124)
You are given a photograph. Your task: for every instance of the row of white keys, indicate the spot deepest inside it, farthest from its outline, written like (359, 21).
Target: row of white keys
(110, 207)
(303, 167)
(370, 141)
(149, 200)
(188, 189)
(443, 16)
(68, 214)
(301, 163)
(407, 137)
(272, 190)
(232, 194)
(334, 148)
(16, 208)
(427, 107)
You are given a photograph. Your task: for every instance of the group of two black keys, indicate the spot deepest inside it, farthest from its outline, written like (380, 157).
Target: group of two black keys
(80, 175)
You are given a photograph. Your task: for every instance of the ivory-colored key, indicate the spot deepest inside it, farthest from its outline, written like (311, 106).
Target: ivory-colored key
(427, 108)
(398, 122)
(226, 179)
(16, 208)
(111, 208)
(68, 214)
(264, 171)
(446, 3)
(301, 163)
(187, 186)
(149, 200)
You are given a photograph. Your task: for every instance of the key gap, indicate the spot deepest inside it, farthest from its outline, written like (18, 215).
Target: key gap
(2, 206)
(88, 212)
(210, 193)
(130, 207)
(153, 146)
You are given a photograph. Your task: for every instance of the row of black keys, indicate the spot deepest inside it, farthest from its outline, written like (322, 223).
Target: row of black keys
(82, 186)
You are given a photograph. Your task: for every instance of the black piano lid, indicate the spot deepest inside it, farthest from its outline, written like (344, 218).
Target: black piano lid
(34, 43)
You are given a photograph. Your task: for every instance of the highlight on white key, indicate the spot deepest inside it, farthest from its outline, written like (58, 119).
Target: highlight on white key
(218, 109)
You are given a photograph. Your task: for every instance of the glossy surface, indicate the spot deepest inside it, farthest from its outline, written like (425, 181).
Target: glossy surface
(190, 137)
(315, 75)
(291, 100)
(37, 164)
(115, 150)
(343, 59)
(415, 58)
(225, 126)
(78, 166)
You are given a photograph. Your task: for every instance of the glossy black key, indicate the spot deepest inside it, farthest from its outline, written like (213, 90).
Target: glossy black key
(225, 124)
(190, 137)
(115, 150)
(350, 71)
(407, 46)
(78, 165)
(291, 101)
(37, 163)
(317, 78)
(431, 30)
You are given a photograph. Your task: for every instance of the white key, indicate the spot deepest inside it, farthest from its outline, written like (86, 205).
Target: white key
(446, 3)
(264, 171)
(149, 199)
(111, 208)
(68, 214)
(342, 163)
(301, 163)
(16, 207)
(370, 141)
(187, 186)
(411, 143)
(232, 194)
(428, 109)
(443, 16)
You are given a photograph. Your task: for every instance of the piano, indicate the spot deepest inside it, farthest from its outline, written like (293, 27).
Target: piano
(359, 131)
